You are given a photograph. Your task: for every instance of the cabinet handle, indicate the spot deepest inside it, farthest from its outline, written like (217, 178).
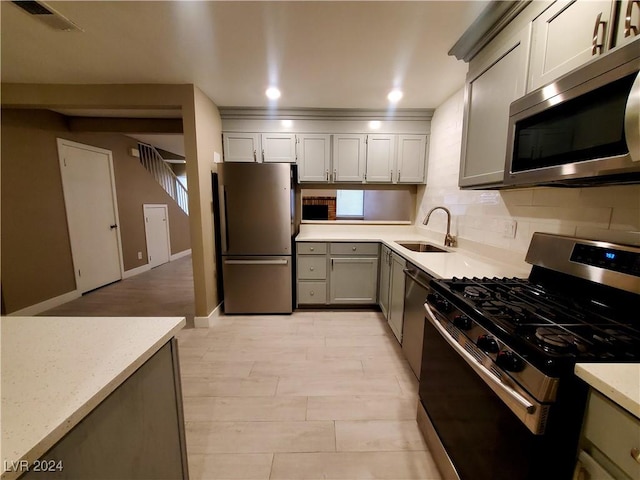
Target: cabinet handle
(628, 26)
(596, 45)
(312, 249)
(255, 157)
(332, 264)
(335, 177)
(635, 454)
(398, 176)
(353, 248)
(311, 268)
(263, 154)
(327, 173)
(312, 293)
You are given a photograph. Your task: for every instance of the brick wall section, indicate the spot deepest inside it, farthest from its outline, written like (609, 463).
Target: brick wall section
(330, 201)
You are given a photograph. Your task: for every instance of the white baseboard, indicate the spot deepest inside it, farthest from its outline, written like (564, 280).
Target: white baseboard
(181, 254)
(206, 322)
(46, 305)
(136, 271)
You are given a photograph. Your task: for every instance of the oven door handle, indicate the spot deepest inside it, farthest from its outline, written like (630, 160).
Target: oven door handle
(490, 379)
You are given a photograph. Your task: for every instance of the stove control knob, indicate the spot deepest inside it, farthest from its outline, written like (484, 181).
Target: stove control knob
(487, 343)
(462, 322)
(509, 361)
(440, 304)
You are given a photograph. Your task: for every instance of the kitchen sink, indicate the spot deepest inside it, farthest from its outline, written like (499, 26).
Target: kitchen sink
(421, 247)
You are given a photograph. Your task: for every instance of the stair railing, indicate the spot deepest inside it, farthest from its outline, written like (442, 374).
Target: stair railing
(151, 159)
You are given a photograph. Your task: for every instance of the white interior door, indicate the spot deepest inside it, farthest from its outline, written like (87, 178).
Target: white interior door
(156, 228)
(92, 214)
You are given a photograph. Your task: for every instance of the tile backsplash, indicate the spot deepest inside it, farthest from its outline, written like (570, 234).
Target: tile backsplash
(484, 216)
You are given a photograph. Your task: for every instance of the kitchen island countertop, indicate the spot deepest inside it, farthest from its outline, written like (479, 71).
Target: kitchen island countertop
(457, 262)
(56, 370)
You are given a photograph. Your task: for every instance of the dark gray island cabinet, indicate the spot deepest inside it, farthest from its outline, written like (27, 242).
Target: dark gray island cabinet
(136, 433)
(100, 398)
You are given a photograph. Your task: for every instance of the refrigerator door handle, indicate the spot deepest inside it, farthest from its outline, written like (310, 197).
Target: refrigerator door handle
(257, 262)
(223, 223)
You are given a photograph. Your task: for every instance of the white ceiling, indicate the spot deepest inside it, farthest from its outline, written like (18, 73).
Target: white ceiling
(320, 54)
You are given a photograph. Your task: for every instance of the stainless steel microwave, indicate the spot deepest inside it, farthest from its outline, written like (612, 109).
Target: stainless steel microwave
(583, 129)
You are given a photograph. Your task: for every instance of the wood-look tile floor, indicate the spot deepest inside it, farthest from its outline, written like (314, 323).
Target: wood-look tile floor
(313, 395)
(164, 291)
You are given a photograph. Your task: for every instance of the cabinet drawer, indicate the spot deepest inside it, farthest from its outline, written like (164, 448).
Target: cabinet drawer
(312, 293)
(614, 431)
(350, 248)
(308, 248)
(312, 267)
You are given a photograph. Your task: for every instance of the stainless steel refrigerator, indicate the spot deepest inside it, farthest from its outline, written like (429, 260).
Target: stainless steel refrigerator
(257, 225)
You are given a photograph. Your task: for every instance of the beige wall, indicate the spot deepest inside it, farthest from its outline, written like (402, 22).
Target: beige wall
(34, 269)
(202, 140)
(479, 215)
(197, 148)
(36, 253)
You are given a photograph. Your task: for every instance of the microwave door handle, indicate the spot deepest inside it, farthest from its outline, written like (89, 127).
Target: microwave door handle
(632, 120)
(482, 372)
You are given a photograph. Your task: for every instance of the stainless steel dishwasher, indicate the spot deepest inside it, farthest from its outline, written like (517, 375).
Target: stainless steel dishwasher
(415, 295)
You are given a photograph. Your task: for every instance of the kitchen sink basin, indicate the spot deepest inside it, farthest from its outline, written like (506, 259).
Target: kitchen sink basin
(421, 247)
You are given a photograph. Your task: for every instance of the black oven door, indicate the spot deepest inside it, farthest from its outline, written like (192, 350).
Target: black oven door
(483, 438)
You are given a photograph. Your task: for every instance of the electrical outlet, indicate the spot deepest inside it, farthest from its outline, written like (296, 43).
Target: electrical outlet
(509, 229)
(139, 255)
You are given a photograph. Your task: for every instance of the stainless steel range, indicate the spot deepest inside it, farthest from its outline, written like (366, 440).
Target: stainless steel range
(497, 381)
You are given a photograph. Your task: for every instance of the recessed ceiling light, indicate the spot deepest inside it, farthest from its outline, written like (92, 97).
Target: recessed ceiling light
(273, 93)
(374, 124)
(395, 95)
(287, 123)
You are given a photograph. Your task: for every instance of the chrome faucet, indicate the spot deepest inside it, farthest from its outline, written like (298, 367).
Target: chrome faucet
(449, 240)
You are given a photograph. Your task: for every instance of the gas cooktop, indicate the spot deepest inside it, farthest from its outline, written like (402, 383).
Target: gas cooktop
(581, 303)
(552, 324)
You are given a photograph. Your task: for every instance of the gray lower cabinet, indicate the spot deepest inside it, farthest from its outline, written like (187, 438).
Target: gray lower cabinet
(396, 297)
(384, 281)
(311, 273)
(353, 280)
(339, 273)
(391, 292)
(353, 275)
(136, 433)
(609, 442)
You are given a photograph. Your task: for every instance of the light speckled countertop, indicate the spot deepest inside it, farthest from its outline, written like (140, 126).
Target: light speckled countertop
(55, 370)
(457, 263)
(618, 381)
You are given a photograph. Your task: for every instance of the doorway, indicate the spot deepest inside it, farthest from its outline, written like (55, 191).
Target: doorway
(92, 214)
(156, 230)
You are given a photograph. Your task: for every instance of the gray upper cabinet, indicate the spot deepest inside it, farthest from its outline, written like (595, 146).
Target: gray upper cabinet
(314, 158)
(381, 154)
(349, 158)
(628, 22)
(278, 147)
(241, 147)
(566, 35)
(495, 79)
(411, 158)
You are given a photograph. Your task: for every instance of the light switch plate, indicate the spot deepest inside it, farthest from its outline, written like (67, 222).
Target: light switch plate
(509, 229)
